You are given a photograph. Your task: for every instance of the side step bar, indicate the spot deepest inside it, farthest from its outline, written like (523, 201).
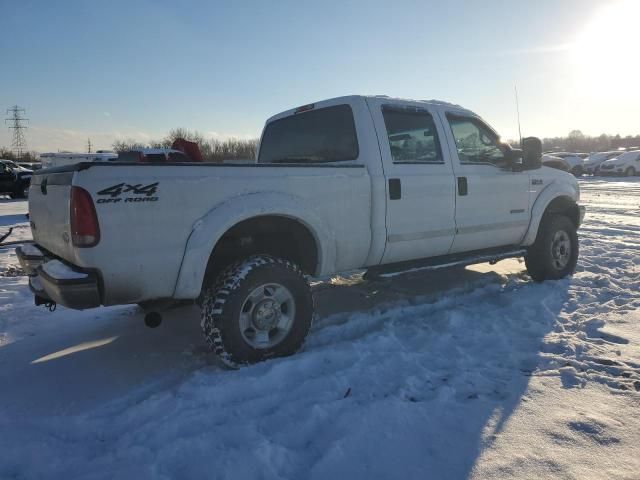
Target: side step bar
(492, 256)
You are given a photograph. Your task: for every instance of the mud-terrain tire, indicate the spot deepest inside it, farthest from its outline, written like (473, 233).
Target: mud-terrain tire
(630, 172)
(258, 308)
(554, 254)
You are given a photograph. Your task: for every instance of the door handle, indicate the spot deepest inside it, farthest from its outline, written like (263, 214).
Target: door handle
(395, 189)
(463, 188)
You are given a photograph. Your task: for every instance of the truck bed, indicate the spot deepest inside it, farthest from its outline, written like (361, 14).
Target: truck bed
(148, 213)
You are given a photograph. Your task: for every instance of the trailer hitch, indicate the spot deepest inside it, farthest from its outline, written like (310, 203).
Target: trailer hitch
(50, 304)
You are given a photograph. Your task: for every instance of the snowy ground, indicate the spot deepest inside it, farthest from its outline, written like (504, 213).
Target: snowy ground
(455, 374)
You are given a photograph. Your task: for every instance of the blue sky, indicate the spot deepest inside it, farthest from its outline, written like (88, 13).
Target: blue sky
(135, 69)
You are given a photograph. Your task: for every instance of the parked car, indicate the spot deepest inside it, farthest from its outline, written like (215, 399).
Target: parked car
(572, 161)
(592, 163)
(14, 180)
(554, 162)
(181, 151)
(347, 183)
(16, 166)
(627, 164)
(153, 155)
(30, 165)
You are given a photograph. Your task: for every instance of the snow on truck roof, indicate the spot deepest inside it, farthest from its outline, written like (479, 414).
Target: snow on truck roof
(349, 98)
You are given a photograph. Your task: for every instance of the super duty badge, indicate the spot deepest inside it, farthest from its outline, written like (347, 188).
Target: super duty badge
(129, 193)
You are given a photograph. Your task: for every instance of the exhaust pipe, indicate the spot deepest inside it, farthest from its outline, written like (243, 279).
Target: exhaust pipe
(153, 319)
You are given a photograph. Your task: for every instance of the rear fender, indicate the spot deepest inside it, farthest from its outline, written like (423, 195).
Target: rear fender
(213, 225)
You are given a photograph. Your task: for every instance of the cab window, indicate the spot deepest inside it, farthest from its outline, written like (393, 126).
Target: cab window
(475, 142)
(315, 136)
(412, 135)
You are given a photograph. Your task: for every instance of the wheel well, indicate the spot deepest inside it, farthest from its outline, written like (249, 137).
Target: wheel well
(274, 235)
(565, 206)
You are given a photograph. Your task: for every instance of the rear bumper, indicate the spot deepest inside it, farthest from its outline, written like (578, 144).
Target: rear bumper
(65, 284)
(30, 258)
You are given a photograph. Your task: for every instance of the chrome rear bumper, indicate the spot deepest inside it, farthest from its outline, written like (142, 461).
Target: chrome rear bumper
(52, 280)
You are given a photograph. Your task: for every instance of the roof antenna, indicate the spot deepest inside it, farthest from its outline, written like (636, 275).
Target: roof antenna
(515, 88)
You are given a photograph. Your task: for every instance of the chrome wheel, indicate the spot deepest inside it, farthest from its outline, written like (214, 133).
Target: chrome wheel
(267, 315)
(560, 249)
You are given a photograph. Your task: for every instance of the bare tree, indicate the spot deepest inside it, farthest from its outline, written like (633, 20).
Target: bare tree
(213, 150)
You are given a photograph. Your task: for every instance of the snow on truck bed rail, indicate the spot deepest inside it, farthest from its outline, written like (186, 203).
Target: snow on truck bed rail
(452, 374)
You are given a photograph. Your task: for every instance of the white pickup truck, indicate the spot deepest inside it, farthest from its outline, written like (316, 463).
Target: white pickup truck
(348, 183)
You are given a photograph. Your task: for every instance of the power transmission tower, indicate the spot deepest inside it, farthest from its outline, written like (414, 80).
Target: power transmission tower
(88, 145)
(16, 123)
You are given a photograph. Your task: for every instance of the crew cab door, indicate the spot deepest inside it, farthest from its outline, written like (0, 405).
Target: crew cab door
(492, 201)
(419, 180)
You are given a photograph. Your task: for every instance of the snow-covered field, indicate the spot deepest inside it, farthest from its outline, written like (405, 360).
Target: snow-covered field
(453, 374)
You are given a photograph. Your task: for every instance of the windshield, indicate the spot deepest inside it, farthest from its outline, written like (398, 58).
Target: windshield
(627, 156)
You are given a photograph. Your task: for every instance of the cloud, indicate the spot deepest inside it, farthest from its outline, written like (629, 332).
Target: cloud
(226, 135)
(42, 139)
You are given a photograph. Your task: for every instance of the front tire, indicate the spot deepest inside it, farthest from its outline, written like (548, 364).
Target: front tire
(554, 254)
(630, 172)
(577, 171)
(257, 309)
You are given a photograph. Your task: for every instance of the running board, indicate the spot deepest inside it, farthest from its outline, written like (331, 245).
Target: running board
(492, 256)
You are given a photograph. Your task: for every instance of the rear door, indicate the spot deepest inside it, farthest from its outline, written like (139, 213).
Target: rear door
(492, 201)
(419, 180)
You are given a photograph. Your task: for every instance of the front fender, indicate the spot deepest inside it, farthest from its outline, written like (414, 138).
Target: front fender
(545, 197)
(208, 229)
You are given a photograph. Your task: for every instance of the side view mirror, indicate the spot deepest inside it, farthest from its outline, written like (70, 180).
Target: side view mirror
(532, 153)
(512, 158)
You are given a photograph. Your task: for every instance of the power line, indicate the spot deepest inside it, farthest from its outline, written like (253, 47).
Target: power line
(16, 123)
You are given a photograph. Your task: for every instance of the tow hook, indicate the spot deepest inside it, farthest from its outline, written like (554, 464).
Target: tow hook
(51, 305)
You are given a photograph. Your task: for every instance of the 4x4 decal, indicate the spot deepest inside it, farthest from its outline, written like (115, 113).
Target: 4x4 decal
(140, 193)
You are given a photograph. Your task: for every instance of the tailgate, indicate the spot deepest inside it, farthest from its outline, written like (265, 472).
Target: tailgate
(49, 198)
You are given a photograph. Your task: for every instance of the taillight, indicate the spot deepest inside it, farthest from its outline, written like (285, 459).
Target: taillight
(85, 230)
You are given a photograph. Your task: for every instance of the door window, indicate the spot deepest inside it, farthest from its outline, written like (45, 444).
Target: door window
(475, 142)
(412, 135)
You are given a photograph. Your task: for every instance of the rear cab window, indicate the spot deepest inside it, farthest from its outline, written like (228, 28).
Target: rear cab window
(322, 135)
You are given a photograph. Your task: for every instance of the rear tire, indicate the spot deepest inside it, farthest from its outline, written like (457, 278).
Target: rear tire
(554, 254)
(630, 172)
(20, 193)
(257, 309)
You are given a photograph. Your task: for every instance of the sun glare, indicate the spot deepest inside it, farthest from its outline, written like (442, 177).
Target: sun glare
(605, 52)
